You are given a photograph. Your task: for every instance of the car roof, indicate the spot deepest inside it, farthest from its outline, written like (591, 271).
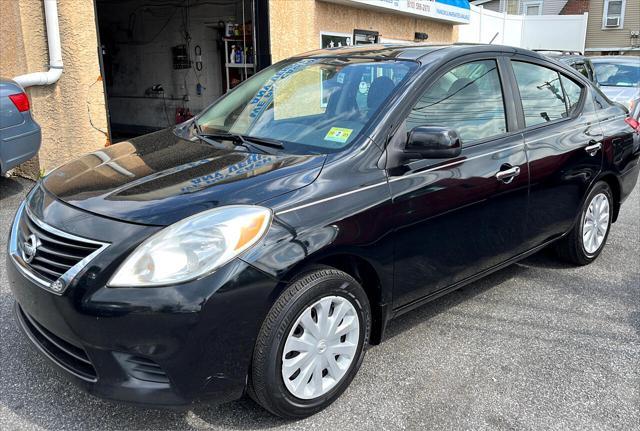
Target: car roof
(418, 52)
(558, 53)
(623, 59)
(568, 58)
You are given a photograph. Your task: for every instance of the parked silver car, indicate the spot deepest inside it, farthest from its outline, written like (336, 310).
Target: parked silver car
(619, 78)
(19, 134)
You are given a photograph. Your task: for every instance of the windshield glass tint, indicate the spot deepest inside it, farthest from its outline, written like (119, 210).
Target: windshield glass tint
(618, 75)
(316, 105)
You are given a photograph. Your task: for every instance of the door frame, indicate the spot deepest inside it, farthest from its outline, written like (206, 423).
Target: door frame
(102, 71)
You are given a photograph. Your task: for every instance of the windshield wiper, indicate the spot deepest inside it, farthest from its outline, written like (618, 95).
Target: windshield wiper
(267, 142)
(210, 141)
(246, 141)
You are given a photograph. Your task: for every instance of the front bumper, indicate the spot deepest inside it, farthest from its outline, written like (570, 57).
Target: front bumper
(166, 346)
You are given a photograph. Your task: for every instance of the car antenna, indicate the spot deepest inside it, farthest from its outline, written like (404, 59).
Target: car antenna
(494, 37)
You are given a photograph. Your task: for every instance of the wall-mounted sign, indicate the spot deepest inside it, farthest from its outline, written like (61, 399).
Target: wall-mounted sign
(454, 11)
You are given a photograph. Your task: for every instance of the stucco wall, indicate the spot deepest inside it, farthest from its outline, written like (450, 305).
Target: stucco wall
(67, 109)
(292, 27)
(295, 25)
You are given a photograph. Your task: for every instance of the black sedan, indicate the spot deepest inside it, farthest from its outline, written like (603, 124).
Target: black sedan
(259, 248)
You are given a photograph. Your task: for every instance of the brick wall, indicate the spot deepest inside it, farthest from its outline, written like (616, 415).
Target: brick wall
(575, 7)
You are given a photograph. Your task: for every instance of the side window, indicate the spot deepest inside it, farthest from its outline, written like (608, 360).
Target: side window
(572, 92)
(541, 93)
(468, 99)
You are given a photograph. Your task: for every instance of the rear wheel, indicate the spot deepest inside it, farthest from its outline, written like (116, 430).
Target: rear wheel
(311, 344)
(588, 237)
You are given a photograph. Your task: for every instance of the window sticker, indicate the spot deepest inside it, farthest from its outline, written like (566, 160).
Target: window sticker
(338, 134)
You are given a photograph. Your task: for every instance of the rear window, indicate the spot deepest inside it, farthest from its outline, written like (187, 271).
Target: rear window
(546, 95)
(617, 75)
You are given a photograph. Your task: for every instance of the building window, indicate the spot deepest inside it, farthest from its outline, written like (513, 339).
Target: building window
(334, 40)
(365, 37)
(613, 14)
(532, 8)
(509, 6)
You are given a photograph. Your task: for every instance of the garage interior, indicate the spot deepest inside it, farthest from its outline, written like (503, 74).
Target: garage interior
(164, 61)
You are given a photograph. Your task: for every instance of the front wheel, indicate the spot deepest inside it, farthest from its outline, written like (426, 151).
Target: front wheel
(311, 344)
(587, 238)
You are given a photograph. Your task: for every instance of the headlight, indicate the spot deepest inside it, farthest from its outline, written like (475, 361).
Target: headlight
(193, 247)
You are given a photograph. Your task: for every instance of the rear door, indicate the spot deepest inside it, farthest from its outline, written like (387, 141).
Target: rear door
(458, 217)
(564, 144)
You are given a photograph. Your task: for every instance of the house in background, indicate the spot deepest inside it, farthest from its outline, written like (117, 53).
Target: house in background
(523, 7)
(613, 27)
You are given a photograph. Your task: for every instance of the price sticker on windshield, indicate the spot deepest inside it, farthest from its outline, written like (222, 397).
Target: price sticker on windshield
(338, 134)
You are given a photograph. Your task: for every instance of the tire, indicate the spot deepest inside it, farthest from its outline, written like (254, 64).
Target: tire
(571, 247)
(322, 288)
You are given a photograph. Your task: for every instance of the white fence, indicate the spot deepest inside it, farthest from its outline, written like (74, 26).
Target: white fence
(554, 32)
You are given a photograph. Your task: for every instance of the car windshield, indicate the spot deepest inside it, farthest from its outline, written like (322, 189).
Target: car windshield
(311, 106)
(617, 75)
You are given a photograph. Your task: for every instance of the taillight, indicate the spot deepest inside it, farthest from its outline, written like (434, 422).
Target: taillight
(635, 125)
(21, 101)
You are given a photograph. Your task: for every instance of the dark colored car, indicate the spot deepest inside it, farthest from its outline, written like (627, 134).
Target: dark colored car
(261, 246)
(19, 133)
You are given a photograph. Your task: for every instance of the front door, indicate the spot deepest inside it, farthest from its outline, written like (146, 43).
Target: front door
(461, 216)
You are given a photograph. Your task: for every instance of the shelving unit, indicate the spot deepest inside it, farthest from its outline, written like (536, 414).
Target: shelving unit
(245, 69)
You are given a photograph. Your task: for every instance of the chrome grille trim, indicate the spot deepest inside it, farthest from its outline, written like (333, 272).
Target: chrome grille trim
(59, 285)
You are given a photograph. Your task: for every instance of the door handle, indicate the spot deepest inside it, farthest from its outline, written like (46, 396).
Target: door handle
(508, 175)
(593, 148)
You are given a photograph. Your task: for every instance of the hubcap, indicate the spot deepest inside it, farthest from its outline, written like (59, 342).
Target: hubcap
(320, 347)
(595, 223)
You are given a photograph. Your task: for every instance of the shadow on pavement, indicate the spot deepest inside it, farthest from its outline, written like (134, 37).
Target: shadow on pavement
(441, 305)
(11, 186)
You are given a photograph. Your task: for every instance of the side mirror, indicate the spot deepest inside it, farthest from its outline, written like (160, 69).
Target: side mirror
(432, 142)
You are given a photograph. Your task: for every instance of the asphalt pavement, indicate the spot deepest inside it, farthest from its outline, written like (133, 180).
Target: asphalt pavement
(538, 345)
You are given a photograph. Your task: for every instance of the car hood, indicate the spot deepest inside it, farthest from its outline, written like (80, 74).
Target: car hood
(161, 178)
(622, 95)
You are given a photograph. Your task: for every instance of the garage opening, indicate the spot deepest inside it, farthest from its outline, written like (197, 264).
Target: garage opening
(164, 61)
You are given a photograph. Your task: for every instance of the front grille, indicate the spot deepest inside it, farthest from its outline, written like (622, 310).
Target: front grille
(69, 356)
(55, 253)
(145, 369)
